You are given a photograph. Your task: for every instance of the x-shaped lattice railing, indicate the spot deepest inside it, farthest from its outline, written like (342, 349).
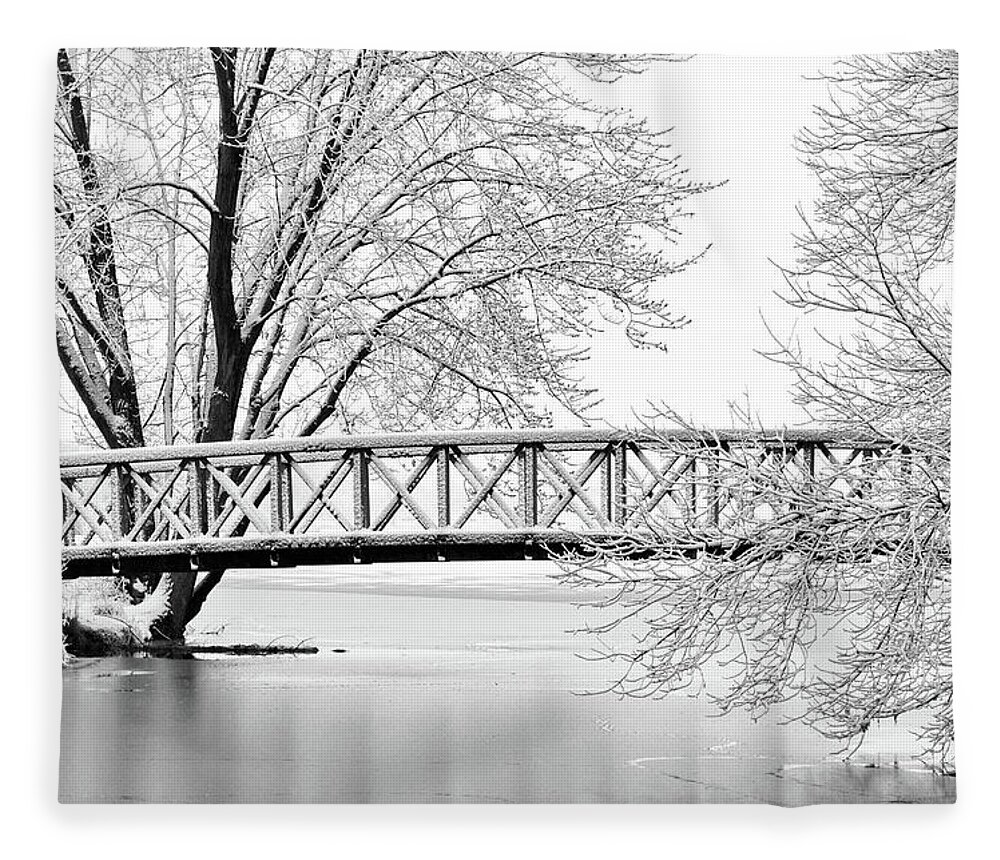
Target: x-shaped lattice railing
(256, 500)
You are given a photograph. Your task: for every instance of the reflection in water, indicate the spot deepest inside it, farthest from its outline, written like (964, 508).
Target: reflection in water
(482, 710)
(285, 730)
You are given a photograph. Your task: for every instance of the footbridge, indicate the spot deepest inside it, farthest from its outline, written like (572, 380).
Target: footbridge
(413, 497)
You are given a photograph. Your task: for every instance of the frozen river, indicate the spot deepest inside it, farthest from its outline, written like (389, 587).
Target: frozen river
(471, 692)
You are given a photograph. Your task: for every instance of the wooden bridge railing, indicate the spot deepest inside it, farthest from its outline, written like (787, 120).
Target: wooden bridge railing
(478, 495)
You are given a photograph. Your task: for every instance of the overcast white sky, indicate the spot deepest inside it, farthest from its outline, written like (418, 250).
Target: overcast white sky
(734, 118)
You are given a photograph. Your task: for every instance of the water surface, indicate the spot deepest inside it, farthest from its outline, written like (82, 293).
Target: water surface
(453, 697)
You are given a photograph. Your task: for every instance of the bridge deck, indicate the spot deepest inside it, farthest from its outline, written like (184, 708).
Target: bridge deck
(410, 497)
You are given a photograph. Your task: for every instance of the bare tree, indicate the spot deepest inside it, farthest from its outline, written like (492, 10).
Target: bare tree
(263, 242)
(828, 583)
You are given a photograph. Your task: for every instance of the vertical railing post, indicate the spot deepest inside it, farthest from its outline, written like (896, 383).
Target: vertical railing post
(198, 496)
(866, 480)
(809, 460)
(121, 520)
(67, 513)
(529, 484)
(693, 489)
(443, 486)
(281, 492)
(714, 483)
(362, 490)
(809, 464)
(619, 480)
(608, 483)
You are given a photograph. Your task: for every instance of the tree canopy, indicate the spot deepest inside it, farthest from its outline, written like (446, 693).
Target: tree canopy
(264, 242)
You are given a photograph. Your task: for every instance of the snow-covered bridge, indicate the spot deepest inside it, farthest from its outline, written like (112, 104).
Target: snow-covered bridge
(409, 497)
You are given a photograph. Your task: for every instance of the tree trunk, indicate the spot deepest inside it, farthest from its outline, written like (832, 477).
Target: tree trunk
(175, 591)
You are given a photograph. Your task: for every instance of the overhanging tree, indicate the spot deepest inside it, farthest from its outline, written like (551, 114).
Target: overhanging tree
(262, 242)
(853, 561)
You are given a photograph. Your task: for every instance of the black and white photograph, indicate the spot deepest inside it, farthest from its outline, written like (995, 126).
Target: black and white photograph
(480, 427)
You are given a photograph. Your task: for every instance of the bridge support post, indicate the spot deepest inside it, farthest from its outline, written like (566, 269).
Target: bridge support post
(443, 486)
(362, 494)
(808, 452)
(809, 456)
(121, 521)
(68, 514)
(692, 498)
(607, 499)
(529, 485)
(714, 482)
(198, 496)
(618, 489)
(281, 493)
